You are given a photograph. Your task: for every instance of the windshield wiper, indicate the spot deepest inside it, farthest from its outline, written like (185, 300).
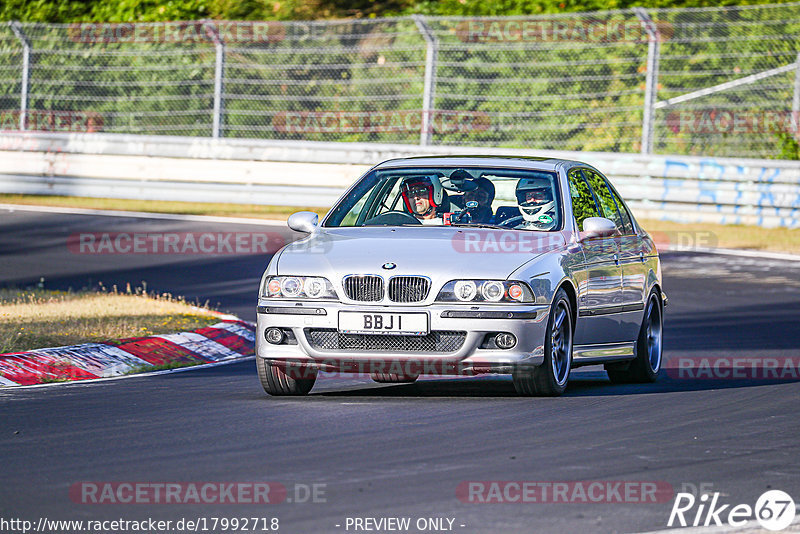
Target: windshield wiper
(482, 225)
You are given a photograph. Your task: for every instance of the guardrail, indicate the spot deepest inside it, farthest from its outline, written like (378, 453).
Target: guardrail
(302, 173)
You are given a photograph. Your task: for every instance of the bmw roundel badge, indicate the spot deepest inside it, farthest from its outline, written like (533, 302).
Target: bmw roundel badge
(389, 265)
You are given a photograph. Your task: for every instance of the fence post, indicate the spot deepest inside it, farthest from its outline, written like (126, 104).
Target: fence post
(16, 27)
(219, 79)
(429, 90)
(796, 100)
(651, 80)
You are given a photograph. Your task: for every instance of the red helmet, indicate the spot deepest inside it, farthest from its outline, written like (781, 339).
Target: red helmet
(419, 186)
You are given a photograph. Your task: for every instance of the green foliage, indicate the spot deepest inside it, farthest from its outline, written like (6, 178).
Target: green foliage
(583, 205)
(790, 148)
(160, 10)
(550, 93)
(45, 10)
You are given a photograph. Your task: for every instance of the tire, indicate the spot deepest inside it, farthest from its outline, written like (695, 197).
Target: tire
(394, 378)
(277, 382)
(649, 347)
(551, 377)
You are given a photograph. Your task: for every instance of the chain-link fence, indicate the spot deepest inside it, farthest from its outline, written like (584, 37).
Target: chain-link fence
(711, 81)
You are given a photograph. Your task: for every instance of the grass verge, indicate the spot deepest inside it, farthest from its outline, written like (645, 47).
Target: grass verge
(38, 318)
(706, 235)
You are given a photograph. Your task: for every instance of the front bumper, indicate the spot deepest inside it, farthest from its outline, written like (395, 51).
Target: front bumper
(470, 323)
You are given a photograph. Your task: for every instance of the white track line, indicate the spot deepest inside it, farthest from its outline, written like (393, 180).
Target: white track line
(142, 215)
(733, 252)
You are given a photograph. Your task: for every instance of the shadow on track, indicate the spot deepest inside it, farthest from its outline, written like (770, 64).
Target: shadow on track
(588, 385)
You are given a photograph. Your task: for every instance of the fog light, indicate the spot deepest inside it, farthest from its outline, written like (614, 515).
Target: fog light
(505, 340)
(273, 335)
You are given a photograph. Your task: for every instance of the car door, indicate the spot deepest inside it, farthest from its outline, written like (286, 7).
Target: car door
(633, 260)
(602, 283)
(630, 257)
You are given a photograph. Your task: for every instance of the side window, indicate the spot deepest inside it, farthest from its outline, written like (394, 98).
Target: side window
(623, 211)
(583, 205)
(604, 198)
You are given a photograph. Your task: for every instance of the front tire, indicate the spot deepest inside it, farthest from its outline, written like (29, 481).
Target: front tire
(551, 377)
(276, 381)
(649, 348)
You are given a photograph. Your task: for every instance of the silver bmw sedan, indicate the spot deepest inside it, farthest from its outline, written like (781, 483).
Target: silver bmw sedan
(460, 266)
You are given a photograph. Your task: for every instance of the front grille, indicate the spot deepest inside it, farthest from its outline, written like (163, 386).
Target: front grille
(364, 288)
(437, 341)
(408, 288)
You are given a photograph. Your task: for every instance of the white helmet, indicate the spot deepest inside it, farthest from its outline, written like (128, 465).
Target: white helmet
(535, 199)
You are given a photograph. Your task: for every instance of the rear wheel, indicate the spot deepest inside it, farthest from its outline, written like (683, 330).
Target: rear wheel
(394, 378)
(276, 381)
(649, 347)
(550, 378)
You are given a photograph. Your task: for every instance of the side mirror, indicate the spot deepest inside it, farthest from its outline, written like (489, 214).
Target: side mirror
(303, 221)
(598, 227)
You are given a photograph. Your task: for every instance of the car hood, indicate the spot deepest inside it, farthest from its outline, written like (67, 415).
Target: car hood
(441, 253)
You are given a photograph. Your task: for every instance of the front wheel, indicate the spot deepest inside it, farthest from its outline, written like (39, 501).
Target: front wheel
(550, 378)
(276, 381)
(649, 347)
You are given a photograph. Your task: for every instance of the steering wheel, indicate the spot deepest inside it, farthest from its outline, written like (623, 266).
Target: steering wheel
(392, 218)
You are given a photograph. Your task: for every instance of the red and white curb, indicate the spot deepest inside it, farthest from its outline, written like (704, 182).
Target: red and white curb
(224, 341)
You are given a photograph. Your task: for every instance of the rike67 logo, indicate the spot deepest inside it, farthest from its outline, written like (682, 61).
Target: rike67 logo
(774, 510)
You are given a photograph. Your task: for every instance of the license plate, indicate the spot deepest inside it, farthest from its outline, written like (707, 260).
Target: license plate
(411, 324)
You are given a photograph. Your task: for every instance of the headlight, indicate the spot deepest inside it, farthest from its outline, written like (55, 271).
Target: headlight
(465, 290)
(492, 290)
(291, 287)
(314, 287)
(485, 291)
(298, 287)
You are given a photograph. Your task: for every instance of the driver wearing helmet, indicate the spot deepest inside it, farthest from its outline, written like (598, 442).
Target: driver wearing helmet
(423, 198)
(535, 200)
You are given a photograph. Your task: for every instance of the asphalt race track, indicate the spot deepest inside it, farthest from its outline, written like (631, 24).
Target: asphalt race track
(400, 450)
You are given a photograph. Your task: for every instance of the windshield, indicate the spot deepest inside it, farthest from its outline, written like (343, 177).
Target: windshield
(458, 196)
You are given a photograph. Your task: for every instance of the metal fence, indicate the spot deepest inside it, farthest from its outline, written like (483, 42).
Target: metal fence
(710, 81)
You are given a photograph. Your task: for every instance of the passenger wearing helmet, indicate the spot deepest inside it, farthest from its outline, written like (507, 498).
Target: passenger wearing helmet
(535, 201)
(422, 198)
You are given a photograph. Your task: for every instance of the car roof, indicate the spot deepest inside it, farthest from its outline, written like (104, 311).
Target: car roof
(519, 162)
